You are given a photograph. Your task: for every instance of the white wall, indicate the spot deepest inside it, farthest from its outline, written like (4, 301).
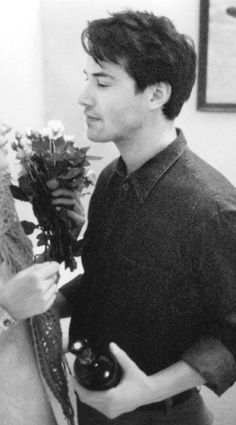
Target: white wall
(21, 84)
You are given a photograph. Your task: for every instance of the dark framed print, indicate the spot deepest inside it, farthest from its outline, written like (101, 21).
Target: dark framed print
(217, 56)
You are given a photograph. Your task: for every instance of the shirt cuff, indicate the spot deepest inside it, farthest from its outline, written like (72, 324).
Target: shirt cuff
(70, 290)
(214, 362)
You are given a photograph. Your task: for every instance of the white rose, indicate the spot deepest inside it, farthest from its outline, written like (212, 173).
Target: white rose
(91, 176)
(30, 132)
(25, 149)
(57, 128)
(20, 154)
(45, 132)
(28, 149)
(69, 138)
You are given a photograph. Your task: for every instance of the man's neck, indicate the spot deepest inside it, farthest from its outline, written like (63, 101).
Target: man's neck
(137, 152)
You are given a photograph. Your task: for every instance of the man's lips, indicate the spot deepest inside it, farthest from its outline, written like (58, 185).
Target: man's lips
(92, 117)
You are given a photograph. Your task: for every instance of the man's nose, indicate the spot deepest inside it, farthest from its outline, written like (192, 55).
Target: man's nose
(85, 98)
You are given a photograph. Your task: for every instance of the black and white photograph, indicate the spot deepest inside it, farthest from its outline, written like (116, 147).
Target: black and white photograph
(117, 212)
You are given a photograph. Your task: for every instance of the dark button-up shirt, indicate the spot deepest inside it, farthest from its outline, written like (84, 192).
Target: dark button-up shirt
(160, 266)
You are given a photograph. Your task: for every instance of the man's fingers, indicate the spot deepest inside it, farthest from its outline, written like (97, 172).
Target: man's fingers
(123, 359)
(79, 206)
(82, 392)
(71, 202)
(62, 202)
(78, 218)
(77, 388)
(64, 192)
(62, 195)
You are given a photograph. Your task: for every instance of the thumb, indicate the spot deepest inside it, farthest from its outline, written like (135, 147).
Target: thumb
(123, 359)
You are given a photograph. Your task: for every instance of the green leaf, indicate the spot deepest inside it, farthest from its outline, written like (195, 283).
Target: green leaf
(28, 227)
(58, 157)
(86, 163)
(14, 146)
(42, 239)
(26, 185)
(59, 144)
(84, 150)
(74, 172)
(52, 173)
(70, 148)
(78, 156)
(41, 145)
(18, 194)
(93, 157)
(78, 248)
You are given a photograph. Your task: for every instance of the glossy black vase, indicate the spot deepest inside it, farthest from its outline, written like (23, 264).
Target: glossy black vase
(93, 372)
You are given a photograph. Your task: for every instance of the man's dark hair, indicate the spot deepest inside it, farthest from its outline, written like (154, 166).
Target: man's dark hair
(150, 49)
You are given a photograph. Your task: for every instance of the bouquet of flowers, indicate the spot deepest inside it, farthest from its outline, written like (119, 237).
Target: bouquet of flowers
(46, 156)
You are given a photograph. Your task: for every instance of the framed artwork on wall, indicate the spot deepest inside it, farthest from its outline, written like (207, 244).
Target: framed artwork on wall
(217, 56)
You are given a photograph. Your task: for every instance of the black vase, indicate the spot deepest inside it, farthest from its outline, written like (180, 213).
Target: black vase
(93, 372)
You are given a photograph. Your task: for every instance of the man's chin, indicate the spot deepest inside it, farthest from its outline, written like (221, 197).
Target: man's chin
(97, 138)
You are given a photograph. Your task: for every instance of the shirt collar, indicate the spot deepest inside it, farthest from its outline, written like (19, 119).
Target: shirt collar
(145, 177)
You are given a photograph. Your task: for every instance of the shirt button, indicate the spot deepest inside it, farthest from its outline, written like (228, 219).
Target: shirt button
(125, 186)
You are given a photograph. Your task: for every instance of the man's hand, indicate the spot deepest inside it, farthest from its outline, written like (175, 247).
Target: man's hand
(134, 390)
(31, 291)
(69, 199)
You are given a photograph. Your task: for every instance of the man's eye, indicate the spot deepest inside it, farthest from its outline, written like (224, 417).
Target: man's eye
(102, 84)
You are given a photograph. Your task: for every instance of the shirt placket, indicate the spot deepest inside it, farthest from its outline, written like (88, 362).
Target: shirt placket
(115, 225)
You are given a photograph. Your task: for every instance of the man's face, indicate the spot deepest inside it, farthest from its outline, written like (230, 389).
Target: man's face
(113, 110)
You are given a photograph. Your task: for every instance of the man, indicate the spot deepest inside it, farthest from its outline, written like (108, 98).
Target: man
(159, 250)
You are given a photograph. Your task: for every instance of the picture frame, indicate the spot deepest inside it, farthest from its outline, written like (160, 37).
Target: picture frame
(217, 56)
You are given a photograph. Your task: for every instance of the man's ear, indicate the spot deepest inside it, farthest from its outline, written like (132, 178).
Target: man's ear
(159, 95)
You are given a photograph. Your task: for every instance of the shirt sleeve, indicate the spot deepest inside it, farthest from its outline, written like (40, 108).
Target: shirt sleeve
(214, 362)
(71, 289)
(214, 354)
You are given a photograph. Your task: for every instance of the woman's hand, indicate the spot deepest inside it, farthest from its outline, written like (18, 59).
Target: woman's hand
(31, 291)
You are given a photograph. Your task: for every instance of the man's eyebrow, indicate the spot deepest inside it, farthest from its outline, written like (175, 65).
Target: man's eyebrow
(100, 74)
